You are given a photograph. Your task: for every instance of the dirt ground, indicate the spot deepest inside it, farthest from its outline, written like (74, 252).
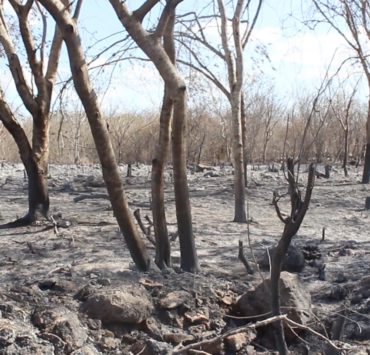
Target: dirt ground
(88, 249)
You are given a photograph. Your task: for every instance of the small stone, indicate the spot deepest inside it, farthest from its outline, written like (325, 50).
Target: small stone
(174, 299)
(236, 342)
(177, 338)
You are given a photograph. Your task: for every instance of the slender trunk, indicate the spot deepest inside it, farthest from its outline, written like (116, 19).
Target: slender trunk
(201, 148)
(345, 158)
(366, 172)
(244, 140)
(239, 182)
(189, 258)
(264, 152)
(100, 133)
(163, 249)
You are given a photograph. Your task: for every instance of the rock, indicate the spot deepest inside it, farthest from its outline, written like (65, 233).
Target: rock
(63, 323)
(236, 342)
(174, 299)
(151, 347)
(18, 338)
(294, 299)
(123, 304)
(86, 350)
(177, 338)
(197, 317)
(7, 335)
(361, 291)
(294, 260)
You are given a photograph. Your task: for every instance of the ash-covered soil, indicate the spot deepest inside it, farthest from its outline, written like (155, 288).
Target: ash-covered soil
(47, 274)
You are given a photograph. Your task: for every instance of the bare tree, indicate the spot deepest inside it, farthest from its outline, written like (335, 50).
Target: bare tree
(234, 38)
(160, 54)
(98, 125)
(36, 98)
(292, 223)
(351, 20)
(342, 113)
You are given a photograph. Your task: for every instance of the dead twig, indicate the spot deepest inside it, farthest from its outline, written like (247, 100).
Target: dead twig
(146, 231)
(243, 259)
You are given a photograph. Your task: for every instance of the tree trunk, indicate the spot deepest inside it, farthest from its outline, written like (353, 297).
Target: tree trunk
(99, 131)
(239, 181)
(189, 258)
(244, 139)
(35, 163)
(163, 249)
(345, 158)
(366, 172)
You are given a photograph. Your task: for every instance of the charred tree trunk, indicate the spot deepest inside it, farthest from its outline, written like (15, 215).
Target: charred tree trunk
(163, 249)
(99, 131)
(38, 197)
(292, 224)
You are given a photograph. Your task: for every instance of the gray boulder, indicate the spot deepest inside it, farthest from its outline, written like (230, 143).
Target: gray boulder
(294, 299)
(125, 304)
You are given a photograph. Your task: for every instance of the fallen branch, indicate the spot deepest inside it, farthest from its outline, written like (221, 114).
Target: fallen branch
(262, 323)
(92, 196)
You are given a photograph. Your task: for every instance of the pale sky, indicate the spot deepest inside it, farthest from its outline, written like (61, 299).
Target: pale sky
(298, 57)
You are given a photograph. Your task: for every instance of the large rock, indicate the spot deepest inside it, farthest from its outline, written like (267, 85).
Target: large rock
(294, 260)
(295, 301)
(124, 304)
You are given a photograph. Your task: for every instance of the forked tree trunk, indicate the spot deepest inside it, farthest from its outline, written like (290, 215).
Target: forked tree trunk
(189, 259)
(35, 165)
(99, 131)
(239, 181)
(163, 250)
(151, 44)
(292, 223)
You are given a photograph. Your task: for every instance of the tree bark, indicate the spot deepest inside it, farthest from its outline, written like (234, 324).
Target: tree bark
(239, 181)
(99, 131)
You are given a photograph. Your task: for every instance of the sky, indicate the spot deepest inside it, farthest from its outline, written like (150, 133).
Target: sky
(298, 57)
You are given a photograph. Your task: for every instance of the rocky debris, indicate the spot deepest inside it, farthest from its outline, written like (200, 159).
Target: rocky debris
(294, 260)
(60, 323)
(126, 304)
(361, 291)
(294, 299)
(18, 338)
